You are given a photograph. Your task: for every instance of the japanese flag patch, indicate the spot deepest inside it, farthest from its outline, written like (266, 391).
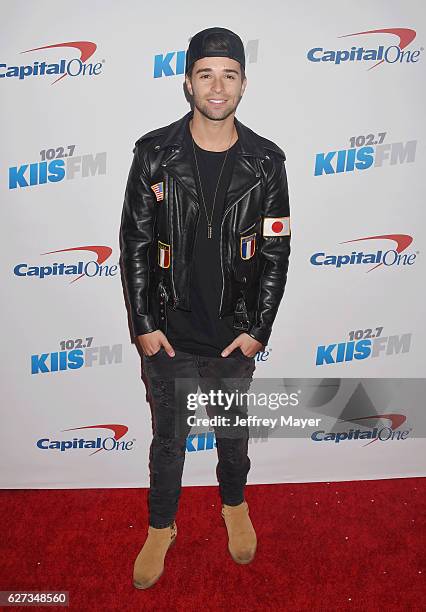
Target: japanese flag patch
(158, 189)
(163, 254)
(276, 226)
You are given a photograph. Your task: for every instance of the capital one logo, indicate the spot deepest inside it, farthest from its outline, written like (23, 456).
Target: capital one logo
(384, 433)
(351, 401)
(114, 442)
(76, 269)
(394, 257)
(74, 67)
(392, 54)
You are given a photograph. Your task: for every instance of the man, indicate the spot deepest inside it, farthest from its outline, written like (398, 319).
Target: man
(205, 243)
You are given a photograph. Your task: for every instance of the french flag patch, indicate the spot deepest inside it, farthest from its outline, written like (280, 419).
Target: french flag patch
(158, 189)
(248, 246)
(276, 226)
(163, 254)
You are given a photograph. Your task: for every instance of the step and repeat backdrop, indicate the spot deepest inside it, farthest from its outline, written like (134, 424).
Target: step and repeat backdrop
(340, 88)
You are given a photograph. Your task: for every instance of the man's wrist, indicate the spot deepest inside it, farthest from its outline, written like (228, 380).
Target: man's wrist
(143, 324)
(260, 334)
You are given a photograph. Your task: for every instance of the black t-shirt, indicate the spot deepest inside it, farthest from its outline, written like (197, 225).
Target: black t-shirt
(200, 331)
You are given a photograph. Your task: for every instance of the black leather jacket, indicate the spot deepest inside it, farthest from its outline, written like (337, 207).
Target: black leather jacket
(157, 231)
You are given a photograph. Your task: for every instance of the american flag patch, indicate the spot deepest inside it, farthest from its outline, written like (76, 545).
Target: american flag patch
(158, 189)
(276, 226)
(248, 246)
(163, 254)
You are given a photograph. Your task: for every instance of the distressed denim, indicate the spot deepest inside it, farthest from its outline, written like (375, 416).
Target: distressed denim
(168, 381)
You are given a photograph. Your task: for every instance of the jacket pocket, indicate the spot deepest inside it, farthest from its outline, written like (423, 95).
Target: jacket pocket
(253, 226)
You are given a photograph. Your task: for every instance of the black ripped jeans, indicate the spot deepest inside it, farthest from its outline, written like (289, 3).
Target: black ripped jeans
(169, 380)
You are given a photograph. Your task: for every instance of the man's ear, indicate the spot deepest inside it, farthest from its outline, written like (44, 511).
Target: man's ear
(188, 84)
(243, 86)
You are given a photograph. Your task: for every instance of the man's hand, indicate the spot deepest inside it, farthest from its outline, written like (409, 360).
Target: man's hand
(248, 346)
(151, 343)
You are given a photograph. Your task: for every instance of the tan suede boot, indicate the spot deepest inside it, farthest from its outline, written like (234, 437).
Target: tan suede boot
(242, 539)
(149, 564)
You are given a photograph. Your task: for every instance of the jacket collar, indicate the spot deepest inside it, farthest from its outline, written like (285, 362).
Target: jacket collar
(179, 162)
(248, 140)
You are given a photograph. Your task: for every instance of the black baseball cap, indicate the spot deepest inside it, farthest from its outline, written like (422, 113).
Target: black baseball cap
(215, 42)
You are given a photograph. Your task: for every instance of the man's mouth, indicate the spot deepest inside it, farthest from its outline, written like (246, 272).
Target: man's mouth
(217, 101)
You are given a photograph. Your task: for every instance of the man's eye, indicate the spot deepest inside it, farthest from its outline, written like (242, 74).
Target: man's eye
(206, 76)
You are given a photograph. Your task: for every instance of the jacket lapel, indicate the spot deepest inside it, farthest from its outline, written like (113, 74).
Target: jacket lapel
(178, 161)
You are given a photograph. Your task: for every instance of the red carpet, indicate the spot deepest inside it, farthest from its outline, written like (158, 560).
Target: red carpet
(322, 546)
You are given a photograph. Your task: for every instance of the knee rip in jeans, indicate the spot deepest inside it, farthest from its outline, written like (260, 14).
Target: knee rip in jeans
(162, 392)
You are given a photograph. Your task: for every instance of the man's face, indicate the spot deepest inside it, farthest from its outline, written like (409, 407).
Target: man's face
(216, 86)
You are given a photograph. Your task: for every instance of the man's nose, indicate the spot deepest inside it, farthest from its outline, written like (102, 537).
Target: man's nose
(218, 86)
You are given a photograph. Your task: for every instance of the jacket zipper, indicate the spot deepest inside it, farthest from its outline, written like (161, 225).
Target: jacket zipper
(164, 296)
(175, 299)
(193, 249)
(167, 171)
(221, 227)
(249, 227)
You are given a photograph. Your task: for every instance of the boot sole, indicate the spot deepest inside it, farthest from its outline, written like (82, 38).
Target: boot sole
(147, 586)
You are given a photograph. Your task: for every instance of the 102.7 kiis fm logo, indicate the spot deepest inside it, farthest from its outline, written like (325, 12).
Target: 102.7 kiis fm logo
(57, 164)
(364, 152)
(362, 344)
(76, 353)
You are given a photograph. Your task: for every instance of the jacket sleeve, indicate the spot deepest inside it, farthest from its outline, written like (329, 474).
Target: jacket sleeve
(274, 253)
(136, 235)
